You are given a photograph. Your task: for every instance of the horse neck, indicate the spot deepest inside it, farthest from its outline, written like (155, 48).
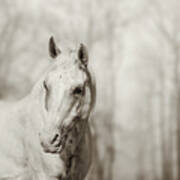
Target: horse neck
(30, 107)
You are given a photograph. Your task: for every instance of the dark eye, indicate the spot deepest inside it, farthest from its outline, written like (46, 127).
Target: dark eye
(45, 85)
(46, 95)
(78, 91)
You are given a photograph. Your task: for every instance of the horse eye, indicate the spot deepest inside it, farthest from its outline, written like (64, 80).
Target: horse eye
(45, 86)
(78, 91)
(46, 95)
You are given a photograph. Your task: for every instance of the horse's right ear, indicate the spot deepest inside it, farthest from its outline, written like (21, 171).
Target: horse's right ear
(54, 51)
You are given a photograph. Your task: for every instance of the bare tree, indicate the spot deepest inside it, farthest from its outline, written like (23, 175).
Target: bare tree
(168, 125)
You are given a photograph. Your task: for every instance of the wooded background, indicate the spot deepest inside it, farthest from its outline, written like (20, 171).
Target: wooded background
(134, 49)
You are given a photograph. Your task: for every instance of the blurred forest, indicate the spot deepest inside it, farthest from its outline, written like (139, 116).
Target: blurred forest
(134, 49)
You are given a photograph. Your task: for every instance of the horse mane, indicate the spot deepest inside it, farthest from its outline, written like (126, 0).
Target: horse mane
(92, 86)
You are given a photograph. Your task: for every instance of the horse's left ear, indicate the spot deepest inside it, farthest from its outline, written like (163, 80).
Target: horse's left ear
(83, 54)
(54, 51)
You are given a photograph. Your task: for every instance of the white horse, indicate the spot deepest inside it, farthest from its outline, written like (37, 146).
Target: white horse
(46, 135)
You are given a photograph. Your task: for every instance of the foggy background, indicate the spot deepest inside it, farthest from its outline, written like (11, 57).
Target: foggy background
(134, 53)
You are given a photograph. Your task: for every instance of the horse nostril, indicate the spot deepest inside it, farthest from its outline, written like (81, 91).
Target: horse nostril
(56, 136)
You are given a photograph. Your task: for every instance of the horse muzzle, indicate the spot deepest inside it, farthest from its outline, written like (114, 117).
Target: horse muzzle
(51, 143)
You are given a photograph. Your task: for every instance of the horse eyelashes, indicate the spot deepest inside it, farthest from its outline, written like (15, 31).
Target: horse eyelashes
(46, 95)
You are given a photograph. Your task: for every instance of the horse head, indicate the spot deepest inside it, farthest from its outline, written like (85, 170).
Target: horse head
(66, 95)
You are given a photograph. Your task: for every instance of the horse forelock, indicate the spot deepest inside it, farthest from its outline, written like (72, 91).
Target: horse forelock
(91, 84)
